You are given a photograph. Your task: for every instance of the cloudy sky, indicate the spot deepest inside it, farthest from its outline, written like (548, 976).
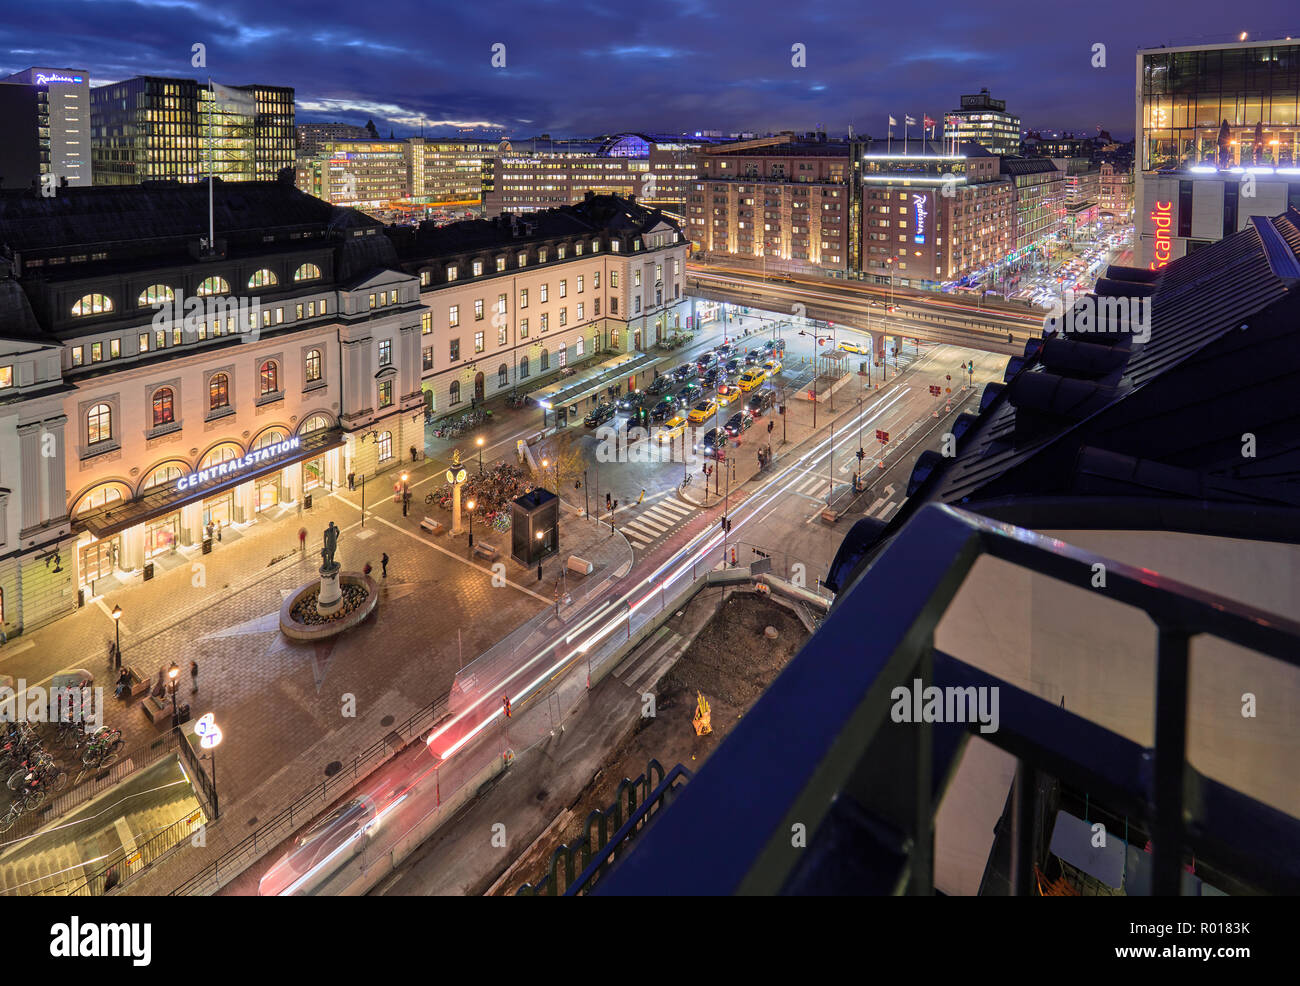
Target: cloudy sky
(575, 67)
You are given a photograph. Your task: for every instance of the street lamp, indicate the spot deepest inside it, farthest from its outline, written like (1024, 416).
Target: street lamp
(117, 632)
(479, 442)
(406, 492)
(469, 505)
(540, 535)
(209, 734)
(172, 674)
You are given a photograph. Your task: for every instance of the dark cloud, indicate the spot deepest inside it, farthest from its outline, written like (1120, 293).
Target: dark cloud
(588, 67)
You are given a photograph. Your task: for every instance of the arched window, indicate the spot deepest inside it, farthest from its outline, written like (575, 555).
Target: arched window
(546, 360)
(99, 424)
(523, 367)
(455, 392)
(218, 391)
(263, 278)
(155, 294)
(269, 378)
(100, 496)
(269, 437)
(317, 422)
(93, 304)
(164, 412)
(503, 375)
(164, 475)
(222, 453)
(307, 272)
(312, 365)
(213, 285)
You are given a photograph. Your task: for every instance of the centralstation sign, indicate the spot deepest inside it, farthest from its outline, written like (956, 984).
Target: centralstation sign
(232, 467)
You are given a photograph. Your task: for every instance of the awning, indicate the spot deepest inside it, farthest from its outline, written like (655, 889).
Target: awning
(594, 380)
(114, 519)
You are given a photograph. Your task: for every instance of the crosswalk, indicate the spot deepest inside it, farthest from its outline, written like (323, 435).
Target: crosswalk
(656, 521)
(882, 508)
(813, 486)
(648, 663)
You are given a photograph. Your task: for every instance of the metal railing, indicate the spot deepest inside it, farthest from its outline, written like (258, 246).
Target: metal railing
(867, 788)
(213, 876)
(108, 875)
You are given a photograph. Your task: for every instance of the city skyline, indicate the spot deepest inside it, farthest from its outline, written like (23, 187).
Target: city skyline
(661, 73)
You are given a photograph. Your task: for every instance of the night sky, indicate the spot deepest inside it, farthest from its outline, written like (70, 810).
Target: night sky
(597, 66)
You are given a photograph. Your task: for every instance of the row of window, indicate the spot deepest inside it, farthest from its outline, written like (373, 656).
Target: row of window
(98, 304)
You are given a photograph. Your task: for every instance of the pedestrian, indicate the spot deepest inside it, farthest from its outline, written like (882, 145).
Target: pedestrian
(302, 540)
(194, 677)
(413, 456)
(218, 530)
(383, 563)
(352, 481)
(111, 878)
(608, 503)
(366, 571)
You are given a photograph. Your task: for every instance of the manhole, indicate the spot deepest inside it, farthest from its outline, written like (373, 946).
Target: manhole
(333, 768)
(386, 721)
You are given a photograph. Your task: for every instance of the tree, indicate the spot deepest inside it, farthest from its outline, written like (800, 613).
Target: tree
(564, 460)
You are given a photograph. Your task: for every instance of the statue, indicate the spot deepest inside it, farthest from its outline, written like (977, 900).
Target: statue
(331, 545)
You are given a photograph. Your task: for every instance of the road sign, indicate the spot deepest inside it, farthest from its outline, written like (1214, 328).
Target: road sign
(934, 390)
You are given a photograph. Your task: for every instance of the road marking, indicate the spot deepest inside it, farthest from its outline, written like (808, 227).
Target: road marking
(673, 507)
(645, 530)
(871, 510)
(664, 518)
(889, 509)
(655, 526)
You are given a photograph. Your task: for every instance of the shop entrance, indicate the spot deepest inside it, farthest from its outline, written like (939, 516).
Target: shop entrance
(97, 560)
(268, 495)
(218, 511)
(160, 535)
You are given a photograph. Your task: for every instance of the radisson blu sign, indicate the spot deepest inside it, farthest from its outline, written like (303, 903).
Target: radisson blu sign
(45, 78)
(232, 467)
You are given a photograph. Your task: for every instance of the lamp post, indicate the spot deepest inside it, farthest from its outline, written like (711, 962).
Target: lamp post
(456, 479)
(117, 631)
(172, 674)
(209, 734)
(540, 535)
(406, 492)
(469, 506)
(479, 442)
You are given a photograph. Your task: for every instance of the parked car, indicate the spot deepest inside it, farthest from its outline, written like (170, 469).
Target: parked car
(711, 375)
(705, 360)
(753, 358)
(683, 372)
(738, 423)
(673, 427)
(660, 385)
(599, 415)
(726, 394)
(752, 378)
(762, 401)
(632, 401)
(702, 411)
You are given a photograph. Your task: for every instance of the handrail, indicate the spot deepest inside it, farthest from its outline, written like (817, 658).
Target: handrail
(712, 841)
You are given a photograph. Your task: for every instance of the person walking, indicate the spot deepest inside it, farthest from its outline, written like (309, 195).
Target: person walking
(413, 455)
(218, 530)
(383, 564)
(302, 540)
(366, 571)
(608, 503)
(352, 481)
(194, 677)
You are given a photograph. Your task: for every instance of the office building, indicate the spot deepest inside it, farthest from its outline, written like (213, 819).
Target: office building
(455, 171)
(363, 173)
(985, 121)
(311, 134)
(1039, 197)
(540, 174)
(1115, 193)
(62, 134)
(151, 128)
(1218, 142)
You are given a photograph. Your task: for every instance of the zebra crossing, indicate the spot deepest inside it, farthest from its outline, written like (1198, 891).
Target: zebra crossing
(812, 486)
(884, 505)
(651, 661)
(656, 521)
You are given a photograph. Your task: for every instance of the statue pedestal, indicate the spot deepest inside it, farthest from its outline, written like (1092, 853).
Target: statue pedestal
(330, 599)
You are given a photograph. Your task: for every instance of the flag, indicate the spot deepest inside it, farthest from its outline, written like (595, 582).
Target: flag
(911, 120)
(233, 100)
(893, 122)
(928, 123)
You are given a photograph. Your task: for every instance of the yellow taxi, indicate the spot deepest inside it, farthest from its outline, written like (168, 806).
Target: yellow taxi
(726, 394)
(852, 347)
(772, 366)
(673, 427)
(702, 411)
(752, 378)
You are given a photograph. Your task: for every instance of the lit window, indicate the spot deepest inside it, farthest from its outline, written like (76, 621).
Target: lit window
(99, 424)
(163, 410)
(312, 365)
(263, 279)
(269, 378)
(93, 304)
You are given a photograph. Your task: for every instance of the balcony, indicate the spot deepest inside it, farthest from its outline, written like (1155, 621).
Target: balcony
(824, 747)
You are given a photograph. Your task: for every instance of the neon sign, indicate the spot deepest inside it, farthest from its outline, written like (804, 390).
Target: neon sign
(1162, 218)
(232, 466)
(42, 79)
(922, 214)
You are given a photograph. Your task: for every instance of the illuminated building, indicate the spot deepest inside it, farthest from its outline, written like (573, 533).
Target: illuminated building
(1115, 192)
(364, 173)
(541, 174)
(1218, 142)
(151, 128)
(62, 132)
(985, 121)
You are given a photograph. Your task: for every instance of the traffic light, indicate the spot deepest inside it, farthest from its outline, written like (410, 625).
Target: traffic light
(505, 699)
(861, 454)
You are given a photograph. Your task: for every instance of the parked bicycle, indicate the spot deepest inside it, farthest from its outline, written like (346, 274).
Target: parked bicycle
(686, 481)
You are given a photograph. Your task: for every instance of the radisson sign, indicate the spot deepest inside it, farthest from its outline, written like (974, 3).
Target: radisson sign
(233, 466)
(1162, 219)
(45, 78)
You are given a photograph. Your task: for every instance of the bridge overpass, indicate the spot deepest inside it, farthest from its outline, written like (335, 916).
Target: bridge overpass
(866, 308)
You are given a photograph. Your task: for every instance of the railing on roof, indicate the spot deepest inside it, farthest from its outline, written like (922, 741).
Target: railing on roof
(819, 748)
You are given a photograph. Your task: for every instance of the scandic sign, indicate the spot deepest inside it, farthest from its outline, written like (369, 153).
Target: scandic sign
(1162, 218)
(232, 466)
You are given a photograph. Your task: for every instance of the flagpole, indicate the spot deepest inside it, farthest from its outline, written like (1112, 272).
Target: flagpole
(212, 242)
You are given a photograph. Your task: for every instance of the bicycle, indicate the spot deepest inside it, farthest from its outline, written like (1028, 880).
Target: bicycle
(686, 481)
